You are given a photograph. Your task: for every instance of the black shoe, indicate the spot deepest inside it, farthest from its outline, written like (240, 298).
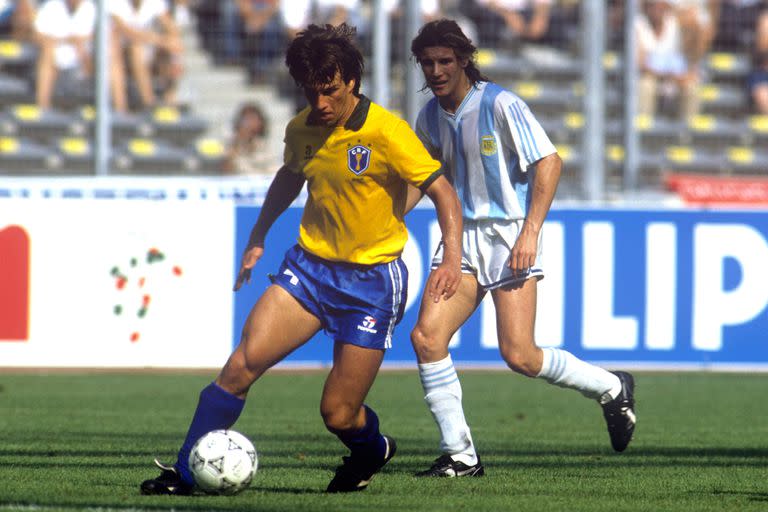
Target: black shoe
(445, 466)
(619, 413)
(169, 482)
(355, 474)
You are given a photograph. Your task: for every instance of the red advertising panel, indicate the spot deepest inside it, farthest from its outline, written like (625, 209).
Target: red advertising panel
(14, 284)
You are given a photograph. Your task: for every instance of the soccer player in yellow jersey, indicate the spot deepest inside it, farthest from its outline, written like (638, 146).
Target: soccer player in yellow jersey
(345, 275)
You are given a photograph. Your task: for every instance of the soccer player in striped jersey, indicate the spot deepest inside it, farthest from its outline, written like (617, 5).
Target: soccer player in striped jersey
(345, 275)
(505, 171)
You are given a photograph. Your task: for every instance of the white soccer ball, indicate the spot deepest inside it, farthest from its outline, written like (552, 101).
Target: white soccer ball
(223, 462)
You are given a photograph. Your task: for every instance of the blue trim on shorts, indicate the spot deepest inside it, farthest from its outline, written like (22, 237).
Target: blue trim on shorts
(356, 304)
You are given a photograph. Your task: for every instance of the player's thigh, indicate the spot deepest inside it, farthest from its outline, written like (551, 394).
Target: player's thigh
(277, 325)
(438, 321)
(516, 315)
(351, 377)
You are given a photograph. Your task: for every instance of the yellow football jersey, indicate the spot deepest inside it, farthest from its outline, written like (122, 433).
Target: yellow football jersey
(356, 182)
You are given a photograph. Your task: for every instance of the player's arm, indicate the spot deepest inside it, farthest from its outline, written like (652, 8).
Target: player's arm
(546, 178)
(444, 280)
(282, 192)
(412, 198)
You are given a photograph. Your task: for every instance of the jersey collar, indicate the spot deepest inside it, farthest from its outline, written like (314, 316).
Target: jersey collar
(359, 115)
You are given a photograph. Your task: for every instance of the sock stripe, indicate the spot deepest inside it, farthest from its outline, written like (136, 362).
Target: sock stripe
(437, 374)
(445, 382)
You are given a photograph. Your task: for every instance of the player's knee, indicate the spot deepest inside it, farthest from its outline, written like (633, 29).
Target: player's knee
(338, 418)
(424, 344)
(521, 361)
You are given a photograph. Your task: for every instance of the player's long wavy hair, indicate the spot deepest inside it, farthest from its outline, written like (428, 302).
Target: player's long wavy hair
(317, 53)
(447, 33)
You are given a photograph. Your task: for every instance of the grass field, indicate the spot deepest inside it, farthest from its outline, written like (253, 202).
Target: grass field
(86, 441)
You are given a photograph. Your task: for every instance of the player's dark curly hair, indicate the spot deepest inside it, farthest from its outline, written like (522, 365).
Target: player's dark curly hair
(447, 33)
(316, 53)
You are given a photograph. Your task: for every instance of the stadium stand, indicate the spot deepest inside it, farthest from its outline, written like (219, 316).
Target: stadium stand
(725, 138)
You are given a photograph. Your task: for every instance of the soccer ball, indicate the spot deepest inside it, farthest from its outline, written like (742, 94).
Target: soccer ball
(223, 462)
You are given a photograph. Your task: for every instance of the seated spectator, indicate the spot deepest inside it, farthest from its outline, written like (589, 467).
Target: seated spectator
(64, 32)
(757, 82)
(297, 14)
(697, 28)
(263, 35)
(148, 35)
(428, 9)
(665, 73)
(17, 18)
(248, 151)
(508, 23)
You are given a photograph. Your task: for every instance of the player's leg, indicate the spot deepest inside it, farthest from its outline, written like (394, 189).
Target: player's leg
(354, 423)
(276, 325)
(436, 325)
(515, 318)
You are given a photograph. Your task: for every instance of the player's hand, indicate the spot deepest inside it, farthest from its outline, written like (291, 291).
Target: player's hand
(523, 256)
(251, 255)
(444, 281)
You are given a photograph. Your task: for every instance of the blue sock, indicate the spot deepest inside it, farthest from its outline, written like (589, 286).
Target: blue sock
(368, 441)
(216, 409)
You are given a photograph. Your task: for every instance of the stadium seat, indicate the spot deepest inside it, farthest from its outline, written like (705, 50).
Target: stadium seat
(76, 154)
(727, 67)
(655, 132)
(688, 158)
(174, 125)
(153, 156)
(722, 99)
(547, 97)
(124, 126)
(17, 54)
(14, 90)
(747, 160)
(713, 131)
(22, 156)
(210, 153)
(33, 122)
(757, 127)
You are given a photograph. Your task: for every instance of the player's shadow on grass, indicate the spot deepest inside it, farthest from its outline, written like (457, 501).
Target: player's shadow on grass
(751, 496)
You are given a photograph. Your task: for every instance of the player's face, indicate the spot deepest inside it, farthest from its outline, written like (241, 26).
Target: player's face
(444, 73)
(331, 103)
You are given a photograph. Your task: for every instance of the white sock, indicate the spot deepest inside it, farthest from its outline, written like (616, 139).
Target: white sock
(563, 369)
(442, 391)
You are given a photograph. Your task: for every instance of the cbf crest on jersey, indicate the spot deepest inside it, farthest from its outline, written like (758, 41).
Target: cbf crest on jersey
(358, 159)
(488, 145)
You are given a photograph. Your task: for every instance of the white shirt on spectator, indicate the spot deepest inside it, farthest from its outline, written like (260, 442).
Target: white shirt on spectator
(296, 13)
(141, 18)
(54, 19)
(514, 5)
(663, 51)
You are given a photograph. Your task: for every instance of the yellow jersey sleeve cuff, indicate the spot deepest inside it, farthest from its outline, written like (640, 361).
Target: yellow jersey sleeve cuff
(424, 186)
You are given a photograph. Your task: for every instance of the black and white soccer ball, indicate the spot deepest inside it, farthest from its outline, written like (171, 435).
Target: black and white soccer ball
(223, 462)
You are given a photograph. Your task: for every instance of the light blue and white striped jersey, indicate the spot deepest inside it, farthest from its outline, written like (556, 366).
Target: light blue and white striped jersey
(488, 148)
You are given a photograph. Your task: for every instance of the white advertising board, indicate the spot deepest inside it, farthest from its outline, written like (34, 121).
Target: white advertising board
(115, 283)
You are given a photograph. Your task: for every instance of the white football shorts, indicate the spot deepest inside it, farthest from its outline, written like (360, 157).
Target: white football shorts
(487, 246)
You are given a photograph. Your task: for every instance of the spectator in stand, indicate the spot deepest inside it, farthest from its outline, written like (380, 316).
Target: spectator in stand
(17, 18)
(64, 32)
(429, 10)
(758, 78)
(147, 34)
(263, 35)
(248, 151)
(297, 14)
(697, 28)
(509, 23)
(734, 22)
(665, 73)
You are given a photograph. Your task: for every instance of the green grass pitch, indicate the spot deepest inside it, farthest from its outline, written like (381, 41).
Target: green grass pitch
(85, 441)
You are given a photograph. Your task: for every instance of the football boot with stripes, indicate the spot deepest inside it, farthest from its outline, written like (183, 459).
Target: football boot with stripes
(445, 466)
(356, 473)
(619, 413)
(169, 482)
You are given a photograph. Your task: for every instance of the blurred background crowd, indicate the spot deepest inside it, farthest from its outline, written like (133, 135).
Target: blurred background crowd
(199, 86)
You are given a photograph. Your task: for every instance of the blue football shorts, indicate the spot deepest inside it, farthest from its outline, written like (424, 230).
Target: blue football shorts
(357, 304)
